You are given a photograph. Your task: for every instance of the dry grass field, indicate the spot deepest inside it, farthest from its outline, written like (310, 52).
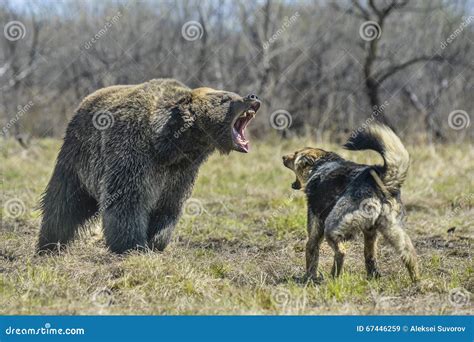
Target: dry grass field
(239, 247)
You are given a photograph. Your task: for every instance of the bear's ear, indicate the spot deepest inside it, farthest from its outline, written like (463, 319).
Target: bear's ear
(203, 92)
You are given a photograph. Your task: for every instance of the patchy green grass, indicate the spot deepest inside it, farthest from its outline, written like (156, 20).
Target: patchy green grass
(239, 247)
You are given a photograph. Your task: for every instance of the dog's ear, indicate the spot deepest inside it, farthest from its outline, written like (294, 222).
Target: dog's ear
(306, 160)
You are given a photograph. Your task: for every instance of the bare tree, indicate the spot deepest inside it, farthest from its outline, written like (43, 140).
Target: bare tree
(298, 56)
(375, 17)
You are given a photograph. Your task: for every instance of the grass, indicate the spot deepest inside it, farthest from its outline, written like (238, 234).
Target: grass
(239, 247)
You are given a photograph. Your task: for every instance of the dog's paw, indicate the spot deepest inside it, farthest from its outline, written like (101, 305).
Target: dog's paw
(314, 278)
(374, 275)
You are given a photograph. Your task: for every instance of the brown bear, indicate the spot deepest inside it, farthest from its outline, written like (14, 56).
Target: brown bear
(131, 155)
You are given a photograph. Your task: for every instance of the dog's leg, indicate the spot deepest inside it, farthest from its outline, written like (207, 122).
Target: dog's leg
(370, 254)
(315, 238)
(339, 254)
(399, 239)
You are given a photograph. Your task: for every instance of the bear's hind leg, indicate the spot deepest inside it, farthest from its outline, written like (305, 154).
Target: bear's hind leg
(66, 206)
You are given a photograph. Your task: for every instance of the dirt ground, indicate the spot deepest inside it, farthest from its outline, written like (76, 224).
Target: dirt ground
(239, 247)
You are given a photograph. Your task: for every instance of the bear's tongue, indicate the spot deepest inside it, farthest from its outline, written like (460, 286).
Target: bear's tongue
(238, 132)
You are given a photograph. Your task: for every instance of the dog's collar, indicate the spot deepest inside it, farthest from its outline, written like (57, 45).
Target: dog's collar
(310, 179)
(314, 175)
(379, 182)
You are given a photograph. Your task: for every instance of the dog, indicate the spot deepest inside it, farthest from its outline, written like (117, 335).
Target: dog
(344, 198)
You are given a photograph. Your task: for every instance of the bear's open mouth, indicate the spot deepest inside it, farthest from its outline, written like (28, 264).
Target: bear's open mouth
(241, 143)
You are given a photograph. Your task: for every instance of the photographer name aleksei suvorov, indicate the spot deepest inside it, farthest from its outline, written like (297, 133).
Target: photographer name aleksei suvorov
(434, 328)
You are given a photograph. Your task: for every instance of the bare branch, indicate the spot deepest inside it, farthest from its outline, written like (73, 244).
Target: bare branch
(365, 14)
(375, 8)
(393, 5)
(361, 12)
(5, 67)
(381, 76)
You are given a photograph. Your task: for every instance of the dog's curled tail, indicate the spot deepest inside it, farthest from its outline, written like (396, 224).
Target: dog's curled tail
(382, 139)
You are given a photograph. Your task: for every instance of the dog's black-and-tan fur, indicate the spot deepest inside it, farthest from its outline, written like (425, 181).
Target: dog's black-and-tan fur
(345, 197)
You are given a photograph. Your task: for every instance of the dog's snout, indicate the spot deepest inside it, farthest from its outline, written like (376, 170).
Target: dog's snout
(296, 185)
(252, 97)
(286, 160)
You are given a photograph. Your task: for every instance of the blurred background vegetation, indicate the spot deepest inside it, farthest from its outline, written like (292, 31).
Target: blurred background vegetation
(322, 69)
(316, 60)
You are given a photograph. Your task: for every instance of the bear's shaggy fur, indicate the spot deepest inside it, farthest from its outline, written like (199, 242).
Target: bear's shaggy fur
(131, 155)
